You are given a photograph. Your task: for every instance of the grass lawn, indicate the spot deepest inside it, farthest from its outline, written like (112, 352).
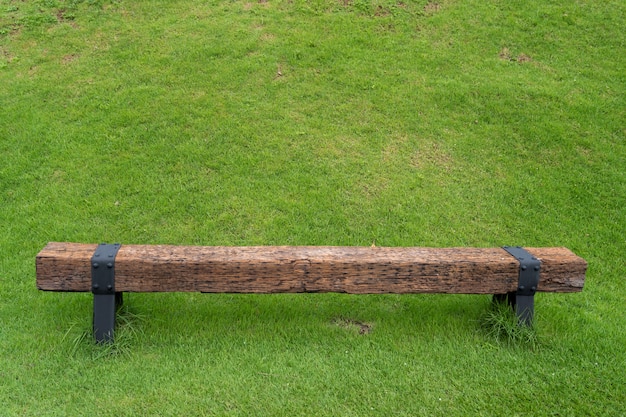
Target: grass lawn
(323, 122)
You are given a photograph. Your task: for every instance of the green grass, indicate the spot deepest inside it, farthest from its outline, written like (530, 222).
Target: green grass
(403, 123)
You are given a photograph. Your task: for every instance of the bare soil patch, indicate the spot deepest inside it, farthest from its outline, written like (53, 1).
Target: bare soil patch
(347, 323)
(432, 7)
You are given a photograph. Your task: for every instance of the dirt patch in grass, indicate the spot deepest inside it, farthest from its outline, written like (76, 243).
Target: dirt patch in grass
(66, 17)
(351, 324)
(505, 54)
(68, 59)
(432, 154)
(267, 37)
(60, 15)
(382, 11)
(6, 55)
(250, 5)
(432, 8)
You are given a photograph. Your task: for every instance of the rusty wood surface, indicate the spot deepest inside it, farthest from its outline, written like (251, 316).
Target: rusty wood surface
(293, 269)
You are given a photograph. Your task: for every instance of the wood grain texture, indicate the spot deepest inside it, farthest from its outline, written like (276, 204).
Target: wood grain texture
(294, 269)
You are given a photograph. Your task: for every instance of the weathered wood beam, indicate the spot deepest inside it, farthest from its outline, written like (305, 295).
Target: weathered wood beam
(295, 269)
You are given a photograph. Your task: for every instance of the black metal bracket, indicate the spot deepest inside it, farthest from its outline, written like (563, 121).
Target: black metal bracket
(105, 298)
(523, 299)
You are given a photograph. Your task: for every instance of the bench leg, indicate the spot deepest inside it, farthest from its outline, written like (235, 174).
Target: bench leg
(525, 309)
(104, 309)
(523, 305)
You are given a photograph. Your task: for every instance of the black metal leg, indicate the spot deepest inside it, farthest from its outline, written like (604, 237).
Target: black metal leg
(522, 305)
(104, 310)
(105, 298)
(528, 282)
(525, 309)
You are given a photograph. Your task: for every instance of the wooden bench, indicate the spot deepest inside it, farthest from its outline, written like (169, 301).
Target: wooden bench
(509, 273)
